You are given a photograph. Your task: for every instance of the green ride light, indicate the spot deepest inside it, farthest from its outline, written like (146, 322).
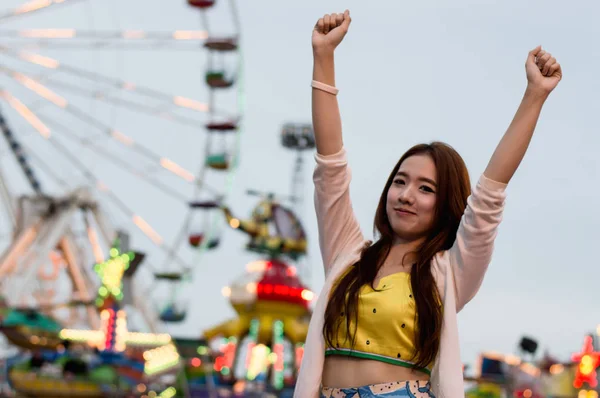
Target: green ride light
(254, 324)
(278, 384)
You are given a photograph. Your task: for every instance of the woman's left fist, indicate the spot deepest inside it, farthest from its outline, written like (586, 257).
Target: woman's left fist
(543, 71)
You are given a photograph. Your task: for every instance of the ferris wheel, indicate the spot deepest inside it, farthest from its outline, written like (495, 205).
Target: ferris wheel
(98, 137)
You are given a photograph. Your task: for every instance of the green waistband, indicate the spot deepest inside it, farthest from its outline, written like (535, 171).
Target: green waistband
(375, 357)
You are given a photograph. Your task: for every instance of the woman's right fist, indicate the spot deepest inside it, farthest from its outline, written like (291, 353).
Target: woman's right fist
(330, 31)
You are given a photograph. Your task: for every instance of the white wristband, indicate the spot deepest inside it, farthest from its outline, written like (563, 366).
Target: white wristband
(324, 87)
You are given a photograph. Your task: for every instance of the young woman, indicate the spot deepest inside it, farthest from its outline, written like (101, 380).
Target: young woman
(385, 322)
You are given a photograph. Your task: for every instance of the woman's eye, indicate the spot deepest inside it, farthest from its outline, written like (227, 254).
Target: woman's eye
(427, 189)
(398, 181)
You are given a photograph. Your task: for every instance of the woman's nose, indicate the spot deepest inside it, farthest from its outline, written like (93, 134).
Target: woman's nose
(406, 195)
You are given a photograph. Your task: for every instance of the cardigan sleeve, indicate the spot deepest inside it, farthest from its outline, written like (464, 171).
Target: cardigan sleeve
(472, 250)
(338, 227)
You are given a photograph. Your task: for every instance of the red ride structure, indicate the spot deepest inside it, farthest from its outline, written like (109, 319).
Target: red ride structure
(588, 360)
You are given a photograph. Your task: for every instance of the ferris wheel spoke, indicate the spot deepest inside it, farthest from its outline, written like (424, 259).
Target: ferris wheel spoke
(150, 266)
(221, 146)
(17, 149)
(119, 102)
(33, 6)
(104, 45)
(94, 77)
(144, 226)
(182, 36)
(116, 160)
(204, 19)
(217, 197)
(45, 167)
(236, 17)
(80, 114)
(180, 236)
(179, 40)
(38, 105)
(165, 163)
(26, 113)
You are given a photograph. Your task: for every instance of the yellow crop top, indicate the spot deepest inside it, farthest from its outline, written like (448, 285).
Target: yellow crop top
(386, 319)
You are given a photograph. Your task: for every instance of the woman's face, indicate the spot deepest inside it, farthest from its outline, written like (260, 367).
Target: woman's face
(412, 197)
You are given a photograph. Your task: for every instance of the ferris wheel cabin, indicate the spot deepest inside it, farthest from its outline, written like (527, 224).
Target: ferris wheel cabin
(202, 4)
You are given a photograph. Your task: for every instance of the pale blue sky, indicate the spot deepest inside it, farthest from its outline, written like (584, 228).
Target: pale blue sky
(407, 72)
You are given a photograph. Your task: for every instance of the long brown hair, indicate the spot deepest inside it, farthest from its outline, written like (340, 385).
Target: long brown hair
(453, 189)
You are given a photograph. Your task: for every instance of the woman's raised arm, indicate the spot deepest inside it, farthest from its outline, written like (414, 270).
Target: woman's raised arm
(472, 251)
(339, 230)
(328, 33)
(543, 75)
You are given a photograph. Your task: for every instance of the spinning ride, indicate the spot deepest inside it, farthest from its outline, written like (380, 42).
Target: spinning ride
(274, 230)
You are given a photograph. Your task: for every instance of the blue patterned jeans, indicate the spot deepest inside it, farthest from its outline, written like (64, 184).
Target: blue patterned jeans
(398, 389)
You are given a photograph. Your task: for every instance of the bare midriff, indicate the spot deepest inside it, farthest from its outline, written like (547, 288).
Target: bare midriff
(347, 372)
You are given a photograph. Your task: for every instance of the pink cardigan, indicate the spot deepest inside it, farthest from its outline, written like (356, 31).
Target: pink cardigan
(458, 272)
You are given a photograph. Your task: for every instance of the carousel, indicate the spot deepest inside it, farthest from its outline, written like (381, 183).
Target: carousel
(260, 350)
(264, 344)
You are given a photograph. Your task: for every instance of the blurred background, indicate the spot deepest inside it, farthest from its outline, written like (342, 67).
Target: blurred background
(157, 230)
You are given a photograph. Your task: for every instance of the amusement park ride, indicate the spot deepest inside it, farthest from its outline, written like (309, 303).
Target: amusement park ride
(64, 318)
(72, 321)
(120, 361)
(260, 350)
(497, 375)
(77, 292)
(30, 89)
